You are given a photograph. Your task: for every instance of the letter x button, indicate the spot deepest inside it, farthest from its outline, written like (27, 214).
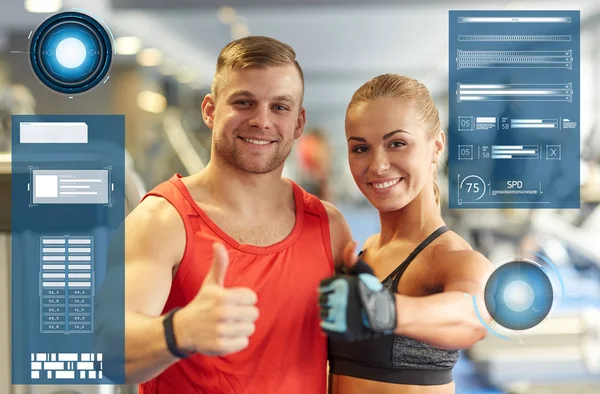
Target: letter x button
(553, 152)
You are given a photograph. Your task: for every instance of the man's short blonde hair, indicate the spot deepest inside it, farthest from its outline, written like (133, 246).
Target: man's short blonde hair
(253, 51)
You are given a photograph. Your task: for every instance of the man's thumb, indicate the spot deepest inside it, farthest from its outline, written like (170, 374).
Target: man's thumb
(220, 262)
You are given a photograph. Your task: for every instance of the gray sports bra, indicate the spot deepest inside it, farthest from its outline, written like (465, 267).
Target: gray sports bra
(395, 358)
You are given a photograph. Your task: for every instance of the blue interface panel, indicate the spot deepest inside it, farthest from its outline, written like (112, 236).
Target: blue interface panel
(66, 285)
(514, 109)
(68, 207)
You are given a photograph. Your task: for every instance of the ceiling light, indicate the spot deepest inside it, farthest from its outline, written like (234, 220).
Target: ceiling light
(227, 14)
(198, 85)
(43, 5)
(168, 67)
(186, 75)
(152, 102)
(149, 57)
(239, 30)
(128, 45)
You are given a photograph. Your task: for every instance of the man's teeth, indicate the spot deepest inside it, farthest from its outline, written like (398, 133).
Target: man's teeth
(256, 142)
(385, 185)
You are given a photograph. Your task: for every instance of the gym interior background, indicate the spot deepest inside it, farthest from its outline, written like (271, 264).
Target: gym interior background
(164, 67)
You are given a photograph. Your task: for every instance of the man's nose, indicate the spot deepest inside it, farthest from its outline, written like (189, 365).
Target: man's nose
(261, 117)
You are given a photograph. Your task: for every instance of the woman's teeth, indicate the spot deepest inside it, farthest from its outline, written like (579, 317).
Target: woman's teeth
(385, 185)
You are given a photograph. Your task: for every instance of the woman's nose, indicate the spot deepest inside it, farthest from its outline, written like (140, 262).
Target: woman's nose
(380, 163)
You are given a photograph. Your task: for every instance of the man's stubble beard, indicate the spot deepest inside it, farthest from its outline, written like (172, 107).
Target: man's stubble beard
(232, 156)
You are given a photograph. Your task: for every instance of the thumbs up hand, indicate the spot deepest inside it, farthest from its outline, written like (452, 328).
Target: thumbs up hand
(218, 320)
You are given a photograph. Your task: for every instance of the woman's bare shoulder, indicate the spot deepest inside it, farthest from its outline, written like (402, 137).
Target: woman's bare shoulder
(454, 247)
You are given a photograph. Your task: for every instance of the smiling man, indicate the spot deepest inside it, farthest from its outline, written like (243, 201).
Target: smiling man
(222, 266)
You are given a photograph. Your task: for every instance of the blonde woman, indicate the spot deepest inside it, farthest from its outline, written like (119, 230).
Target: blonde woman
(398, 318)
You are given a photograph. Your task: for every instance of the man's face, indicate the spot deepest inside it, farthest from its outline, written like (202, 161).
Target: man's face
(256, 117)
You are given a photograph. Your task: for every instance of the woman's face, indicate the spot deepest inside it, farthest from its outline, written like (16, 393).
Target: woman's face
(390, 151)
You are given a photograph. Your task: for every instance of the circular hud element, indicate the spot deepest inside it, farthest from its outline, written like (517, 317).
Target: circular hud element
(71, 52)
(519, 295)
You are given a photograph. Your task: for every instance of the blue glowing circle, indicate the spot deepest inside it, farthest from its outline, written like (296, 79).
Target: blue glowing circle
(70, 52)
(519, 295)
(62, 70)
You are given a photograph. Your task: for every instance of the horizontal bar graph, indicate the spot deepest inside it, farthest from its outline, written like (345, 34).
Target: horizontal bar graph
(534, 124)
(514, 59)
(515, 152)
(514, 92)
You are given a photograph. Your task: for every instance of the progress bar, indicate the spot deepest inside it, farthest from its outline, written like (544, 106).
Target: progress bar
(514, 92)
(516, 19)
(515, 152)
(534, 123)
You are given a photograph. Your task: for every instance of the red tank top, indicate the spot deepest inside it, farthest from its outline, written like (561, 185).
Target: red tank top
(288, 352)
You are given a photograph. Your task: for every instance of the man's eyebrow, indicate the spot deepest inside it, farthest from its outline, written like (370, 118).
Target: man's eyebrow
(242, 93)
(246, 93)
(285, 97)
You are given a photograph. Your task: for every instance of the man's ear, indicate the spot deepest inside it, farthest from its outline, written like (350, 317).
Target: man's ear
(300, 123)
(439, 144)
(208, 110)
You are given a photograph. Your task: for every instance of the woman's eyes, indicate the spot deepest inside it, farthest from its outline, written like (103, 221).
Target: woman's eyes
(394, 144)
(397, 144)
(359, 149)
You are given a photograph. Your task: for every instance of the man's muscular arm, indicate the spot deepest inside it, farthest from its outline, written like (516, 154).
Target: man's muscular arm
(340, 233)
(217, 321)
(154, 238)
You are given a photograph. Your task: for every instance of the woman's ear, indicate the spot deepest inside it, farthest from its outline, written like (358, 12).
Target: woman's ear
(439, 144)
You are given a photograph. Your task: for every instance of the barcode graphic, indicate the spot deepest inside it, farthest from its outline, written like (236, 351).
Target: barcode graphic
(514, 59)
(80, 366)
(516, 38)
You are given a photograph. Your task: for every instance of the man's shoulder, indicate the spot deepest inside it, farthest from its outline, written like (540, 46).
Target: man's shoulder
(155, 212)
(340, 233)
(333, 213)
(311, 204)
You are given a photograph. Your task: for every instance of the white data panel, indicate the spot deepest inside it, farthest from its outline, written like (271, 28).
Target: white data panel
(53, 133)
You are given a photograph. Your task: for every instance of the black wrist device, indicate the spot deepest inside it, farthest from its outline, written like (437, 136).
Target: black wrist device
(170, 335)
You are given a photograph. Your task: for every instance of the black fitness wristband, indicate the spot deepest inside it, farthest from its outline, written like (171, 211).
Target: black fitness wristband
(170, 335)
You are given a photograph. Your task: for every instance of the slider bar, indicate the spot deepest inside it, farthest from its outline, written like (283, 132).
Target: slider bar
(515, 38)
(514, 92)
(514, 19)
(515, 152)
(534, 124)
(514, 59)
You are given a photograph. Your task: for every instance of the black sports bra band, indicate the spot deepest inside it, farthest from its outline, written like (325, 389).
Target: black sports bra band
(417, 250)
(395, 358)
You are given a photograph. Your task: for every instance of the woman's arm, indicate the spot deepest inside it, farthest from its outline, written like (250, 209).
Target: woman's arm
(449, 320)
